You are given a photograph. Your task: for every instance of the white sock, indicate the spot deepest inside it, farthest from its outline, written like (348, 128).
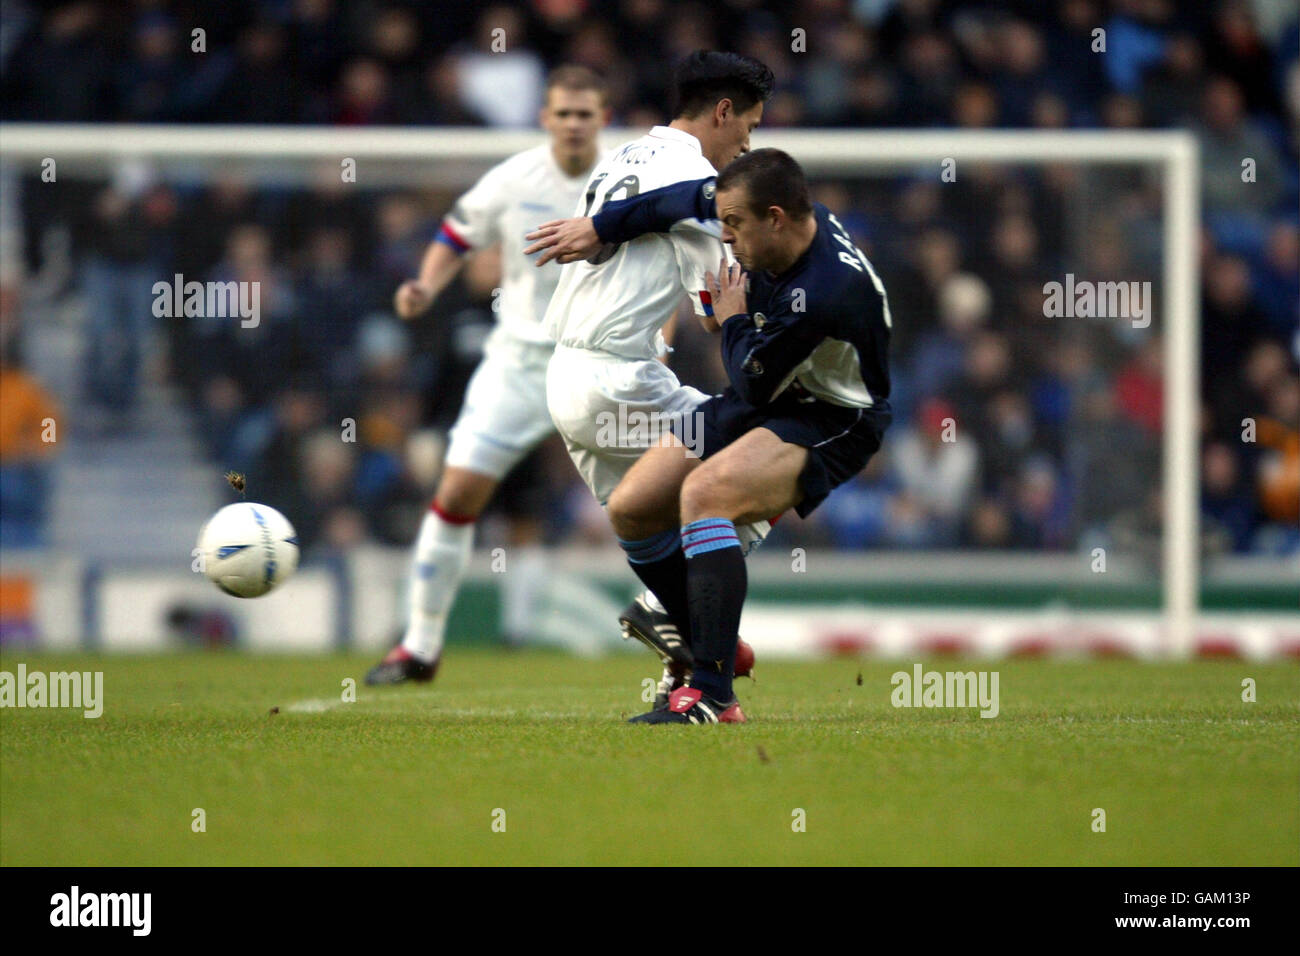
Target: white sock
(442, 551)
(523, 583)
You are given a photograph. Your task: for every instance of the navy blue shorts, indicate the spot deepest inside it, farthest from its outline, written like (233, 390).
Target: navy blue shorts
(840, 440)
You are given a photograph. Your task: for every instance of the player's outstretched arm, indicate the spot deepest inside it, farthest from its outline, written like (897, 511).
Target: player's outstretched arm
(622, 220)
(474, 222)
(416, 296)
(658, 210)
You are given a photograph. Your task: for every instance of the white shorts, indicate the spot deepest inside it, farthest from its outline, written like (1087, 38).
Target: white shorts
(599, 401)
(504, 415)
(610, 409)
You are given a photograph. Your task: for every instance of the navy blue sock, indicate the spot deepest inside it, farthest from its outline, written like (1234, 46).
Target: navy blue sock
(715, 586)
(659, 563)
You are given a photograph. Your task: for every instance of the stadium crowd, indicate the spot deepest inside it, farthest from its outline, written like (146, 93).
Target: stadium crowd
(1012, 430)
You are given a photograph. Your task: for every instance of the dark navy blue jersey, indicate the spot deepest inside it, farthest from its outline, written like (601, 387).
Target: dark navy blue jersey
(819, 329)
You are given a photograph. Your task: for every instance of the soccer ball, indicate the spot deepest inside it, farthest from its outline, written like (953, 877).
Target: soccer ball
(248, 549)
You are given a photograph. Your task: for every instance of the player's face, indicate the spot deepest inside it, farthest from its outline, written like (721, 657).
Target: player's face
(751, 237)
(573, 118)
(734, 133)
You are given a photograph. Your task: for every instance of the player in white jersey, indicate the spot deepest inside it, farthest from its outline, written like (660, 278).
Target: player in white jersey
(504, 415)
(610, 396)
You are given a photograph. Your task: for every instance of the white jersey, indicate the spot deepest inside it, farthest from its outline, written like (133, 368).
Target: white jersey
(619, 303)
(510, 200)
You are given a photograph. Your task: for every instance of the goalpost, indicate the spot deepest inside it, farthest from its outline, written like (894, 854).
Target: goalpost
(1174, 154)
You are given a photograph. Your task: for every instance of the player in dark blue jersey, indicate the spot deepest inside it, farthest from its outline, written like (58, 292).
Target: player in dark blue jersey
(805, 340)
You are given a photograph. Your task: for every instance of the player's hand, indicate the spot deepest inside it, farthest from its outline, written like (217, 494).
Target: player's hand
(727, 289)
(565, 240)
(413, 299)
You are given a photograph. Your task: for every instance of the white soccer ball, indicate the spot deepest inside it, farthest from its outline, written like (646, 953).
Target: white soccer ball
(248, 549)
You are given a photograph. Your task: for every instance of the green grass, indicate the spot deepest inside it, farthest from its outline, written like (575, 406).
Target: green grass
(1186, 772)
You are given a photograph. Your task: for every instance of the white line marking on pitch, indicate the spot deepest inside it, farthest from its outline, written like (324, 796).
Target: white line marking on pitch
(399, 704)
(317, 706)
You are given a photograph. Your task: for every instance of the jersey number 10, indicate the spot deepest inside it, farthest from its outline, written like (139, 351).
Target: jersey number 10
(630, 186)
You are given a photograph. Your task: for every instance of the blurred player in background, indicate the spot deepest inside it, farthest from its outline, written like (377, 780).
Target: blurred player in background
(504, 415)
(609, 310)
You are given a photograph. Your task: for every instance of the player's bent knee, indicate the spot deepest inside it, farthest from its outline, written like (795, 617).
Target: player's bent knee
(633, 516)
(622, 513)
(705, 495)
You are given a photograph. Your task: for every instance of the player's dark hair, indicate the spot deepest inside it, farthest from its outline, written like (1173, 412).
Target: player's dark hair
(706, 76)
(770, 177)
(570, 76)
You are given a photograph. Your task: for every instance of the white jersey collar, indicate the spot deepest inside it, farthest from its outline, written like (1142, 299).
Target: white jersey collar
(681, 136)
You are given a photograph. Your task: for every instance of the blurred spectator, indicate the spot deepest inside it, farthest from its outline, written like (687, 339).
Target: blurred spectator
(149, 84)
(937, 462)
(1279, 472)
(404, 233)
(62, 70)
(128, 243)
(500, 77)
(1173, 88)
(932, 258)
(1229, 512)
(395, 43)
(278, 459)
(364, 97)
(1230, 139)
(439, 101)
(1070, 51)
(964, 306)
(260, 86)
(1113, 464)
(239, 367)
(1040, 515)
(318, 37)
(208, 218)
(1237, 50)
(1021, 71)
(984, 395)
(329, 300)
(975, 106)
(1140, 389)
(330, 520)
(929, 77)
(29, 427)
(1233, 325)
(1016, 260)
(385, 490)
(1277, 278)
(1135, 39)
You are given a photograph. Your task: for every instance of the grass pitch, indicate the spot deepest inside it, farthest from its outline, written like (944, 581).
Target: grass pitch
(1186, 772)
